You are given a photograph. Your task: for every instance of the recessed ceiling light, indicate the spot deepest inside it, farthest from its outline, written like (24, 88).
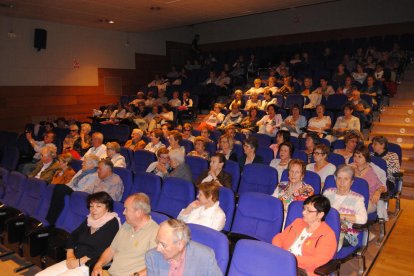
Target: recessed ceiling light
(110, 21)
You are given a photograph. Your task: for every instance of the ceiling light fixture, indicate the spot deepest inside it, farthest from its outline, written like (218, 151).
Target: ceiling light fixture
(110, 21)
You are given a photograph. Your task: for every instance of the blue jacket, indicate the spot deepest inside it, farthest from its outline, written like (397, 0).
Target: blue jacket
(199, 260)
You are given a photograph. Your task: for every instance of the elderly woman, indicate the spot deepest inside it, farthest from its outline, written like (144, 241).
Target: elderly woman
(364, 170)
(350, 205)
(65, 173)
(253, 102)
(87, 242)
(294, 188)
(46, 168)
(346, 122)
(281, 137)
(178, 166)
(295, 122)
(80, 181)
(226, 144)
(175, 137)
(249, 123)
(113, 151)
(285, 155)
(84, 141)
(256, 88)
(187, 132)
(200, 148)
(155, 143)
(351, 140)
(310, 142)
(271, 122)
(321, 166)
(320, 124)
(205, 210)
(162, 166)
(380, 147)
(136, 141)
(309, 238)
(238, 100)
(249, 157)
(213, 119)
(216, 172)
(233, 118)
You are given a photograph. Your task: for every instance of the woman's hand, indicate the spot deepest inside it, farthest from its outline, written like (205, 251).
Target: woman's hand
(72, 263)
(162, 168)
(376, 196)
(194, 205)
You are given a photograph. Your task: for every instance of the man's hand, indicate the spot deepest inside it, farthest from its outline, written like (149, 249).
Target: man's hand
(72, 263)
(97, 270)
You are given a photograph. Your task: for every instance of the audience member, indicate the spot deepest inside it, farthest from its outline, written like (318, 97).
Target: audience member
(271, 122)
(294, 123)
(155, 143)
(113, 151)
(320, 124)
(177, 254)
(205, 210)
(84, 141)
(64, 173)
(351, 140)
(46, 168)
(321, 166)
(136, 141)
(250, 146)
(214, 119)
(178, 166)
(200, 148)
(87, 242)
(98, 148)
(136, 236)
(281, 137)
(346, 122)
(216, 172)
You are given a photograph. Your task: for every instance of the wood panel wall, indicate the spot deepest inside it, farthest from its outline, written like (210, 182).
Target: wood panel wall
(20, 105)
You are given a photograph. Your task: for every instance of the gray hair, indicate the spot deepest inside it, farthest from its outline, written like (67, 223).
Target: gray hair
(177, 155)
(181, 230)
(50, 149)
(87, 126)
(98, 135)
(346, 169)
(91, 158)
(141, 202)
(139, 131)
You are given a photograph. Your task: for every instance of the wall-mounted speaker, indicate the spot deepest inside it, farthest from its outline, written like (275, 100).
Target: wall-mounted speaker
(40, 39)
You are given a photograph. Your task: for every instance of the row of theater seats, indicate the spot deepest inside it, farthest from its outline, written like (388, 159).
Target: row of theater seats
(258, 216)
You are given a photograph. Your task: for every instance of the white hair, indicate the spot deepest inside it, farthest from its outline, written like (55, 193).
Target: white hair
(177, 155)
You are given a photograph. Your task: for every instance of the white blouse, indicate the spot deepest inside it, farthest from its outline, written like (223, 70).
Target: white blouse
(329, 169)
(212, 217)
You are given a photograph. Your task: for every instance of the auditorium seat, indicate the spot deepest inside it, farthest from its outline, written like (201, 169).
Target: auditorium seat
(149, 184)
(258, 178)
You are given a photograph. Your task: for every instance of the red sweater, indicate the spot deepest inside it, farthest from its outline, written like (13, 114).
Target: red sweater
(317, 250)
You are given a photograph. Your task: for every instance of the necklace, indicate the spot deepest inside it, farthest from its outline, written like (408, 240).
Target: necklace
(359, 171)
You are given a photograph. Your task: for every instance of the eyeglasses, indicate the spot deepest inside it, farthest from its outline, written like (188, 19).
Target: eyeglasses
(310, 211)
(318, 153)
(73, 130)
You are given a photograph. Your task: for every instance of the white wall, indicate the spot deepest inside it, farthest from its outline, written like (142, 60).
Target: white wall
(22, 64)
(326, 16)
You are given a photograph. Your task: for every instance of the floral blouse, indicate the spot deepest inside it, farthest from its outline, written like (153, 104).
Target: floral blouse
(285, 194)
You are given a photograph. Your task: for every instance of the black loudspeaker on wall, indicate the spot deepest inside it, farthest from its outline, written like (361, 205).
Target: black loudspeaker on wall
(40, 39)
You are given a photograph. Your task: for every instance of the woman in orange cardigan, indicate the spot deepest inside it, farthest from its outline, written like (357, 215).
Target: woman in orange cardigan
(65, 173)
(309, 238)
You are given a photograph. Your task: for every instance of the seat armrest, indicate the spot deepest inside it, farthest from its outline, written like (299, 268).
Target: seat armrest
(385, 196)
(235, 237)
(328, 268)
(360, 227)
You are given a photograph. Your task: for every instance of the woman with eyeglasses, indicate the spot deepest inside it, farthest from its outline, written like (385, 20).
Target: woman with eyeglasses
(350, 205)
(249, 157)
(162, 166)
(351, 140)
(321, 166)
(294, 188)
(309, 238)
(285, 155)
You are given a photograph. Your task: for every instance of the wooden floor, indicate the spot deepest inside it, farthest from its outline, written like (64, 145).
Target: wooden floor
(396, 257)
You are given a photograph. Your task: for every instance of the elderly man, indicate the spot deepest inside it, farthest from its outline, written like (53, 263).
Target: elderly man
(45, 169)
(136, 141)
(362, 108)
(180, 169)
(135, 237)
(80, 181)
(48, 138)
(71, 137)
(176, 254)
(107, 181)
(98, 148)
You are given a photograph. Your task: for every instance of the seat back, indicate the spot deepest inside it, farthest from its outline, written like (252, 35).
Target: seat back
(126, 176)
(250, 182)
(176, 194)
(119, 209)
(158, 217)
(294, 99)
(149, 184)
(213, 239)
(197, 165)
(4, 175)
(10, 157)
(187, 144)
(265, 153)
(32, 196)
(298, 154)
(128, 154)
(16, 185)
(311, 178)
(76, 165)
(142, 159)
(233, 169)
(41, 212)
(262, 139)
(267, 260)
(211, 148)
(336, 159)
(74, 213)
(259, 216)
(227, 204)
(335, 102)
